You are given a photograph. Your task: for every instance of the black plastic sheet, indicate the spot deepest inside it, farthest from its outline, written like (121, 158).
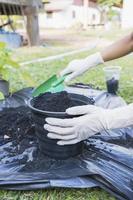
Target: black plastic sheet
(106, 162)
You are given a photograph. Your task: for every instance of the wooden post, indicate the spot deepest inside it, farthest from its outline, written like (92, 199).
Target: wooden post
(86, 6)
(32, 26)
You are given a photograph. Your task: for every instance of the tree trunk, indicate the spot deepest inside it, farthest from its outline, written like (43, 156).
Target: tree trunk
(86, 6)
(32, 26)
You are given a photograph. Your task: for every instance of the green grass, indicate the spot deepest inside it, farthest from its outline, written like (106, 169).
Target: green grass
(40, 72)
(30, 53)
(57, 194)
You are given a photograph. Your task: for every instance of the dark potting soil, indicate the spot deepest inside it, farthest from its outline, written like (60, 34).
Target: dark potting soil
(17, 134)
(112, 86)
(16, 126)
(56, 102)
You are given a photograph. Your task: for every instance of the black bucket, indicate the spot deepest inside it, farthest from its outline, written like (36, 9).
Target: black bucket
(49, 146)
(4, 87)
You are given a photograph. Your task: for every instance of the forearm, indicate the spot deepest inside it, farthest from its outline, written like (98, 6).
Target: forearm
(118, 49)
(119, 117)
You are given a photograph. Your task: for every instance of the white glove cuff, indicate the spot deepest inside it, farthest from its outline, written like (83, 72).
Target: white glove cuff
(96, 59)
(119, 117)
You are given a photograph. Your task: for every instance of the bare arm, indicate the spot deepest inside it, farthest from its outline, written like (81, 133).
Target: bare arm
(114, 51)
(118, 49)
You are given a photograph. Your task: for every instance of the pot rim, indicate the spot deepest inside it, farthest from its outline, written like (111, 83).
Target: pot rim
(42, 111)
(29, 103)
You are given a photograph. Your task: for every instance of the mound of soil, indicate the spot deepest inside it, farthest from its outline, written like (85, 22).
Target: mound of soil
(56, 102)
(16, 125)
(18, 137)
(17, 129)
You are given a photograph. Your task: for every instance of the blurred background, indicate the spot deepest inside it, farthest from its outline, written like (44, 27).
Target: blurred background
(44, 36)
(34, 22)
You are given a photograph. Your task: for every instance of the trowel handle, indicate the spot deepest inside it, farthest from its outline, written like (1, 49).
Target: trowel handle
(59, 81)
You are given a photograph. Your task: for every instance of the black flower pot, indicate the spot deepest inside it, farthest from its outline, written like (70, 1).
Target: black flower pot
(4, 87)
(49, 146)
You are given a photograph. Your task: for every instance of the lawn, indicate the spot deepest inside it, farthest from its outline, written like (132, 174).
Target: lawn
(41, 71)
(57, 194)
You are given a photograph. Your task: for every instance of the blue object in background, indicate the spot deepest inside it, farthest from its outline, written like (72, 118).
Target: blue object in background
(12, 39)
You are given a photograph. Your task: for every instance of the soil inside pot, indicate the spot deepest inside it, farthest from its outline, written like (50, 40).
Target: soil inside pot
(56, 102)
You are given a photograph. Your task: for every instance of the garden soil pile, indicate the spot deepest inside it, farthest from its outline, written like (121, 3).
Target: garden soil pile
(106, 161)
(17, 126)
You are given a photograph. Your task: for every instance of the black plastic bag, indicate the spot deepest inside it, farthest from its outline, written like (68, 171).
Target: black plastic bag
(106, 162)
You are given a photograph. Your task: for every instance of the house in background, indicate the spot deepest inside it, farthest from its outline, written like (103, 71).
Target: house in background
(127, 14)
(67, 13)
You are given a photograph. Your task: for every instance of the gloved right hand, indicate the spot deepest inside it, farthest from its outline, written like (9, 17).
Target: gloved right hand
(78, 67)
(89, 121)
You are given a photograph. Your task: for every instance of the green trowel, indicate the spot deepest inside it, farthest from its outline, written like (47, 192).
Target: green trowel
(53, 84)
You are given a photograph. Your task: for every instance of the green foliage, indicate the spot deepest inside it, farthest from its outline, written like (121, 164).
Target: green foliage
(6, 63)
(109, 3)
(112, 13)
(9, 72)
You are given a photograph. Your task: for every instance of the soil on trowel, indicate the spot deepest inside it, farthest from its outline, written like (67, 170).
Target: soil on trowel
(56, 102)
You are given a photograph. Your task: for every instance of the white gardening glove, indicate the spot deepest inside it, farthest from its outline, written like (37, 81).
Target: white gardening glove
(94, 120)
(78, 67)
